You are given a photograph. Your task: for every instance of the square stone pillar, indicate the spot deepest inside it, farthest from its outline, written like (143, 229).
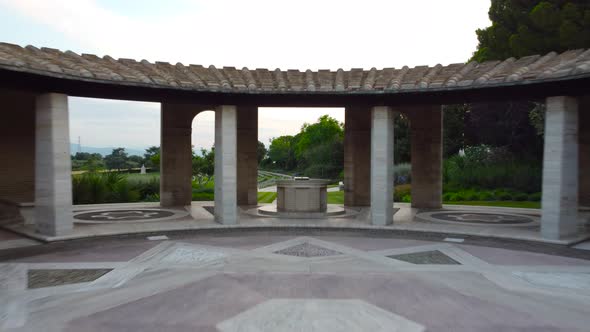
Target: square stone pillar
(226, 165)
(426, 144)
(176, 154)
(357, 156)
(17, 143)
(382, 165)
(247, 155)
(560, 169)
(53, 169)
(584, 150)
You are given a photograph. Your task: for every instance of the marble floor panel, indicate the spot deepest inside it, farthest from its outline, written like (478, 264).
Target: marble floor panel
(292, 283)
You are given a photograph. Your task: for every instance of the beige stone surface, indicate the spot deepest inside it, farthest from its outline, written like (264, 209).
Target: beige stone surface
(176, 153)
(426, 143)
(357, 156)
(302, 195)
(584, 150)
(560, 169)
(382, 165)
(53, 179)
(17, 143)
(247, 143)
(226, 165)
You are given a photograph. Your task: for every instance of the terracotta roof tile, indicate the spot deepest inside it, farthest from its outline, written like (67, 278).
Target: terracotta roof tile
(87, 67)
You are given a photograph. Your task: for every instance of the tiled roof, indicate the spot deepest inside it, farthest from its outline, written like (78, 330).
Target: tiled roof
(87, 67)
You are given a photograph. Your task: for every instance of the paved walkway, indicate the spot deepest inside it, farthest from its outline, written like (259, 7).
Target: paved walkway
(268, 282)
(9, 240)
(490, 222)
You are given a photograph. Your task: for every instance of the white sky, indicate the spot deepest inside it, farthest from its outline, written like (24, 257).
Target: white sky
(318, 34)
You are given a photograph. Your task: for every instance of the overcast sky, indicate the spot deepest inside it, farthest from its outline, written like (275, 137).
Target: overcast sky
(302, 34)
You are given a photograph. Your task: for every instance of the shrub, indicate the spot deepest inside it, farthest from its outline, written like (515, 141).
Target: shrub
(536, 197)
(152, 198)
(402, 173)
(407, 199)
(457, 197)
(486, 196)
(489, 168)
(401, 191)
(503, 196)
(520, 197)
(96, 188)
(147, 188)
(447, 197)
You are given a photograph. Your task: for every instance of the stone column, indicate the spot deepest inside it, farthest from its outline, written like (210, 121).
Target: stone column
(53, 169)
(357, 156)
(584, 150)
(382, 165)
(560, 169)
(426, 144)
(226, 164)
(17, 143)
(247, 155)
(176, 154)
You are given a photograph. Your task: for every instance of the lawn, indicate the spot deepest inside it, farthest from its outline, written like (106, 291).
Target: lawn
(336, 197)
(266, 197)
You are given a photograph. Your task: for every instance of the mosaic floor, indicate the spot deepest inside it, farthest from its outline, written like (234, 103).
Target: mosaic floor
(470, 217)
(287, 283)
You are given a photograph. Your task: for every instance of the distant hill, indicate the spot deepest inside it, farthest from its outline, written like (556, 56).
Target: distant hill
(104, 151)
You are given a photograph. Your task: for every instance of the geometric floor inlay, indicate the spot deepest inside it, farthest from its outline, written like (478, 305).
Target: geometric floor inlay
(481, 218)
(193, 255)
(426, 257)
(579, 281)
(57, 277)
(299, 315)
(307, 250)
(254, 283)
(123, 215)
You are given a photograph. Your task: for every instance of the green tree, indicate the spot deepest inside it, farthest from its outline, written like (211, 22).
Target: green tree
(454, 119)
(149, 154)
(281, 152)
(326, 129)
(203, 166)
(520, 28)
(117, 159)
(134, 162)
(526, 27)
(401, 132)
(261, 152)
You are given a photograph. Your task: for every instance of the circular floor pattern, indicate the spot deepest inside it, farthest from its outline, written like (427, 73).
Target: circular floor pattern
(117, 216)
(477, 218)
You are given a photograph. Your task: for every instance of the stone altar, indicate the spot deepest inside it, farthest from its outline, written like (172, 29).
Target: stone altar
(302, 195)
(302, 198)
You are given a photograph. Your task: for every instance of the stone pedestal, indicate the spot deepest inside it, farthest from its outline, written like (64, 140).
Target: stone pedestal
(560, 169)
(226, 165)
(302, 196)
(357, 156)
(53, 169)
(382, 165)
(426, 145)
